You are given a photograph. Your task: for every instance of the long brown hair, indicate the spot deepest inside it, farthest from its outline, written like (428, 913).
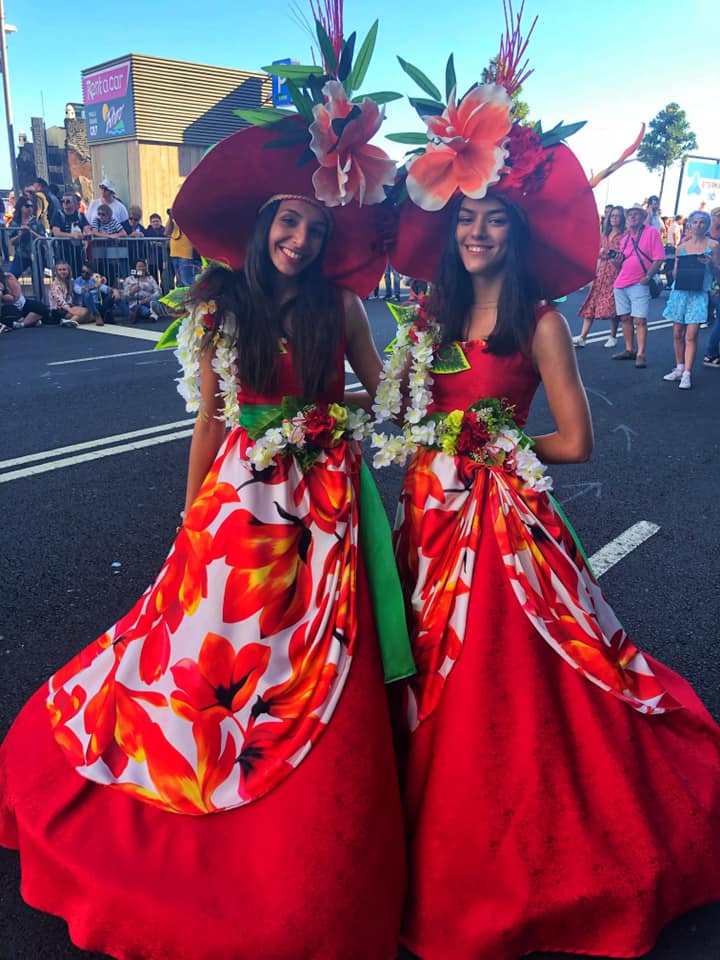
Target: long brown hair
(453, 295)
(248, 313)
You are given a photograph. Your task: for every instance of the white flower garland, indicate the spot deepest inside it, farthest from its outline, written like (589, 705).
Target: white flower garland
(414, 347)
(190, 338)
(412, 351)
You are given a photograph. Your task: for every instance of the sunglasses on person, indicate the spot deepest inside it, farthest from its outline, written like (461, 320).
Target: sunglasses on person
(85, 273)
(68, 200)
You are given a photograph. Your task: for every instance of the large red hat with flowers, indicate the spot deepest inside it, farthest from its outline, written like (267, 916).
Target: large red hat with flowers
(475, 149)
(321, 153)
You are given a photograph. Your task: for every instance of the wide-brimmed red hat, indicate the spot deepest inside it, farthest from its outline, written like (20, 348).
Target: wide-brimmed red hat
(219, 201)
(562, 217)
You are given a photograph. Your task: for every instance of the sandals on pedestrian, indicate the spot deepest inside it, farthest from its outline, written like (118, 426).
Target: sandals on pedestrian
(640, 360)
(4, 328)
(624, 355)
(711, 361)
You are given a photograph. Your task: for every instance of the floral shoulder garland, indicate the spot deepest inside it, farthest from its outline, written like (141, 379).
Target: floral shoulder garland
(304, 430)
(199, 322)
(486, 433)
(411, 353)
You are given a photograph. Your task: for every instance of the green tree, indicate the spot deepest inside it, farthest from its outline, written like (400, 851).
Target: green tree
(668, 139)
(520, 108)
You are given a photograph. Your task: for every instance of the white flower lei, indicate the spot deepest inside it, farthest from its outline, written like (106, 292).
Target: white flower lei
(413, 347)
(417, 346)
(190, 337)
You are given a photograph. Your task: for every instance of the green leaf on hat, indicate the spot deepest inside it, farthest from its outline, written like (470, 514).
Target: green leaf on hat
(294, 71)
(263, 118)
(420, 79)
(282, 143)
(412, 138)
(326, 47)
(301, 101)
(346, 57)
(362, 61)
(306, 158)
(425, 107)
(560, 133)
(450, 358)
(450, 80)
(384, 96)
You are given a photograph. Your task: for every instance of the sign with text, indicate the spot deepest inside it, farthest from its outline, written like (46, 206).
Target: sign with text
(702, 182)
(109, 103)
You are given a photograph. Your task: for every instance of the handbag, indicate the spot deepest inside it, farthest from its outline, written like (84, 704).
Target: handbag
(653, 285)
(690, 273)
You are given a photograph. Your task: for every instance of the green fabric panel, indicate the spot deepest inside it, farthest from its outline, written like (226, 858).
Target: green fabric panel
(385, 590)
(376, 545)
(575, 537)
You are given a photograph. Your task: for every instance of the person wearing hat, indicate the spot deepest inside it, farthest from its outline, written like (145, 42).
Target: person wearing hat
(107, 196)
(641, 256)
(215, 777)
(562, 789)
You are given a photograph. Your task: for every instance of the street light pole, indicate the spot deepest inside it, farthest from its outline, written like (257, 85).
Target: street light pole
(8, 103)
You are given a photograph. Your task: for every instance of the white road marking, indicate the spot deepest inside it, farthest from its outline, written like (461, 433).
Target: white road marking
(607, 556)
(117, 330)
(91, 444)
(104, 356)
(95, 455)
(598, 337)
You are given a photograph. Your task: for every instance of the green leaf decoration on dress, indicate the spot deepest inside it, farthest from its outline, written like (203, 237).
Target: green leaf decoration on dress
(450, 358)
(402, 314)
(266, 421)
(169, 338)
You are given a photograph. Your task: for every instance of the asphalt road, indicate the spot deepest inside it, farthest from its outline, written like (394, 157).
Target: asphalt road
(85, 530)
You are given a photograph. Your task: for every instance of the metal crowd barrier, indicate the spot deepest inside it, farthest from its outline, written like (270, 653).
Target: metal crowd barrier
(111, 258)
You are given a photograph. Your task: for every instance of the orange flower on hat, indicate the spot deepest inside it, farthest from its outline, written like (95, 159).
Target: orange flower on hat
(467, 148)
(350, 168)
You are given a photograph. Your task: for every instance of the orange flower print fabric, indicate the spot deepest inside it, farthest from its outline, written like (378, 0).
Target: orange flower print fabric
(223, 675)
(447, 503)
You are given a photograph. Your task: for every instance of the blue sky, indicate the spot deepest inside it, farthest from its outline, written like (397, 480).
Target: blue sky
(613, 63)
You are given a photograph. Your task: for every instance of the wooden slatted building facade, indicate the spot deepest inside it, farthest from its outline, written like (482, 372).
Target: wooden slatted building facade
(150, 120)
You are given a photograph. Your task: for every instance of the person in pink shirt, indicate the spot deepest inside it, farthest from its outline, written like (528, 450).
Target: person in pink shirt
(642, 254)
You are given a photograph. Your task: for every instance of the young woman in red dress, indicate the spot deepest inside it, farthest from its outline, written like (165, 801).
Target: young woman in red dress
(214, 776)
(561, 788)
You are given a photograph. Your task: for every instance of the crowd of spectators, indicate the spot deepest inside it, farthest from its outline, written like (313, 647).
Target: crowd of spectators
(642, 253)
(97, 261)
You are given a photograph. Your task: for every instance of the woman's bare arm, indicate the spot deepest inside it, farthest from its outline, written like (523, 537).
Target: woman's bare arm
(554, 357)
(209, 431)
(360, 350)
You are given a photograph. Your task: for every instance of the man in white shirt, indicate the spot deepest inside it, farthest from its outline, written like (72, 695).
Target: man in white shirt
(107, 196)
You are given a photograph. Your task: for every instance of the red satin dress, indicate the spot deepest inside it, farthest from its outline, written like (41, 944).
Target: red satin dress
(310, 863)
(562, 790)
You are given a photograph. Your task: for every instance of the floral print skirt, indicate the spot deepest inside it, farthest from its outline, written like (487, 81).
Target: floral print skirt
(214, 776)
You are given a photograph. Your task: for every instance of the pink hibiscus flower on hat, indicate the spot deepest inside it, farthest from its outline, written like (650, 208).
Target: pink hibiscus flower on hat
(350, 168)
(467, 148)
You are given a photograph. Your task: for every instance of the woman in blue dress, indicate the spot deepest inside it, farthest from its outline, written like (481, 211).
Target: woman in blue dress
(688, 301)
